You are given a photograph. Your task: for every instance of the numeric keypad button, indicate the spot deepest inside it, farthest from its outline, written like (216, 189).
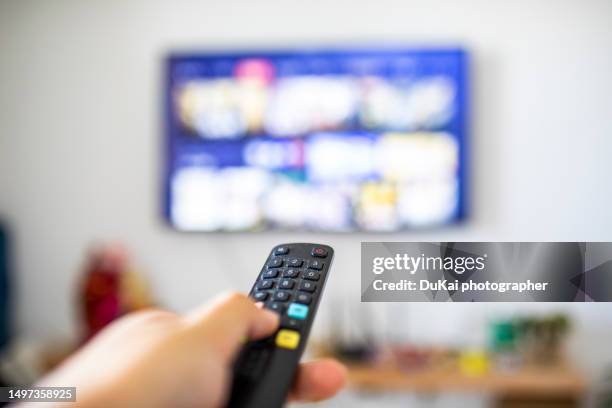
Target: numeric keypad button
(291, 273)
(266, 284)
(286, 284)
(275, 263)
(271, 274)
(312, 275)
(295, 262)
(282, 296)
(307, 286)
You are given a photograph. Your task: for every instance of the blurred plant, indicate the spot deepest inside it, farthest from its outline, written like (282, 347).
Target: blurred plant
(536, 340)
(545, 337)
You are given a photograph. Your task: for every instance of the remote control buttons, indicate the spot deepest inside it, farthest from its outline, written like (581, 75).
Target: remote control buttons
(267, 284)
(276, 307)
(297, 311)
(271, 274)
(282, 296)
(291, 273)
(315, 265)
(292, 324)
(286, 284)
(303, 298)
(312, 275)
(308, 286)
(288, 339)
(295, 262)
(319, 252)
(281, 250)
(275, 263)
(260, 296)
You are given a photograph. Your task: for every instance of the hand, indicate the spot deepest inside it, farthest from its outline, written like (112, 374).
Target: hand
(160, 359)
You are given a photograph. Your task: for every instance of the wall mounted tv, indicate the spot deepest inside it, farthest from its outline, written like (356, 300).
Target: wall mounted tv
(323, 140)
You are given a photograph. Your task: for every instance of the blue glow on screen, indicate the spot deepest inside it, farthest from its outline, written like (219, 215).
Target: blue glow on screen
(339, 140)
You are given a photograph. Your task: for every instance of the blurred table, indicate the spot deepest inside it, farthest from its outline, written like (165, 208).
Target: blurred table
(544, 386)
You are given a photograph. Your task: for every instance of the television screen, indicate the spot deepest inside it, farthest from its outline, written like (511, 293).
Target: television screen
(324, 140)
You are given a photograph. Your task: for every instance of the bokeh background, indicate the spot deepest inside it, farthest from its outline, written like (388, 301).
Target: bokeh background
(81, 156)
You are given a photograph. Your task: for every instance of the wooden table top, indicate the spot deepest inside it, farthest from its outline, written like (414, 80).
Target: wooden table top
(557, 380)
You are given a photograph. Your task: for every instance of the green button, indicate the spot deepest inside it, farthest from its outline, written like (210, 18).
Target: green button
(297, 311)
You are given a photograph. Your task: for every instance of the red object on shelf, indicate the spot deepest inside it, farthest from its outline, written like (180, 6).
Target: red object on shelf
(100, 294)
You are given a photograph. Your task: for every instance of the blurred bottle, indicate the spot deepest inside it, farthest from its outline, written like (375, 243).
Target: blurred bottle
(474, 362)
(504, 344)
(110, 288)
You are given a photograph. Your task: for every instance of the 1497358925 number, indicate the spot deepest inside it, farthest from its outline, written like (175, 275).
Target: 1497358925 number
(47, 394)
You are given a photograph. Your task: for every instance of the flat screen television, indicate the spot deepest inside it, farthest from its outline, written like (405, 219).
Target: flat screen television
(322, 140)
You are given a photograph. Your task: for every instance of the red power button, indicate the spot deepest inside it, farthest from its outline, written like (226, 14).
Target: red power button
(319, 252)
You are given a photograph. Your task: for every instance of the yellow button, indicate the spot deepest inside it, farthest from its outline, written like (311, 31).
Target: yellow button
(288, 339)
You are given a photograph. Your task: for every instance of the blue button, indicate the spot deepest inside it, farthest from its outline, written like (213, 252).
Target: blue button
(297, 311)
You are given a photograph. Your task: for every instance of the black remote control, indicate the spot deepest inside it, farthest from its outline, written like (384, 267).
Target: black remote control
(290, 283)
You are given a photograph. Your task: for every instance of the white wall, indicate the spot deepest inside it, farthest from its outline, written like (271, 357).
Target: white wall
(80, 137)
